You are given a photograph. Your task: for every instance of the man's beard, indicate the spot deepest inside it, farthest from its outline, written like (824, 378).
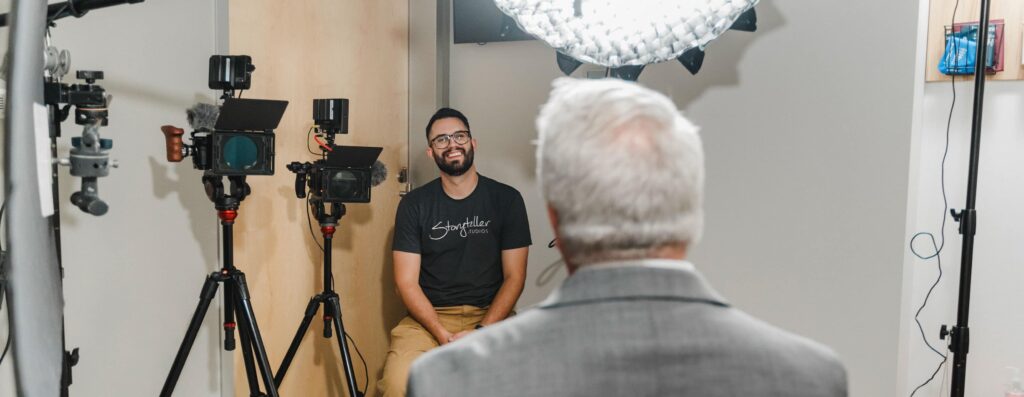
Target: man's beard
(455, 169)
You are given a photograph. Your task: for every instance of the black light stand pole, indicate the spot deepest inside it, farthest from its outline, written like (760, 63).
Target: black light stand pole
(959, 335)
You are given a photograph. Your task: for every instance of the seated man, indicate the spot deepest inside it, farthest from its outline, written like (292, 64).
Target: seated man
(460, 249)
(622, 173)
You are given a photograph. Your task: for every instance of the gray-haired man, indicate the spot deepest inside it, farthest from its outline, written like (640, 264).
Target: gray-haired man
(622, 172)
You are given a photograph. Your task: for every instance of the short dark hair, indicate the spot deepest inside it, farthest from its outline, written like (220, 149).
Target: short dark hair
(444, 113)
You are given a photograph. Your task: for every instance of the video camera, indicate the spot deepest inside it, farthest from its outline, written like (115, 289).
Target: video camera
(345, 174)
(238, 137)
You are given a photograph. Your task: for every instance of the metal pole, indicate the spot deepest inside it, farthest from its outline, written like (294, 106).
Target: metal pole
(960, 334)
(35, 289)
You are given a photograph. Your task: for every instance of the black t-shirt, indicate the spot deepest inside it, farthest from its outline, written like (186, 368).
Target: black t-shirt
(460, 241)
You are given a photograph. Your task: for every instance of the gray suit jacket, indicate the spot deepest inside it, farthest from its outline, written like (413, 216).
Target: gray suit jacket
(650, 330)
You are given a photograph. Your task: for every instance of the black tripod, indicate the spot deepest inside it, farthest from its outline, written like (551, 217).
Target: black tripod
(328, 298)
(236, 297)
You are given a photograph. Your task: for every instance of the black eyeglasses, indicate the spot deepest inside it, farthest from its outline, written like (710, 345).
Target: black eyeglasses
(442, 141)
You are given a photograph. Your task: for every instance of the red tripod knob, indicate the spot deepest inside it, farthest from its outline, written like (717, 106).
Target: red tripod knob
(227, 215)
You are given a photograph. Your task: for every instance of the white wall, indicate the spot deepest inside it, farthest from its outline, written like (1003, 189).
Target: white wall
(806, 125)
(996, 316)
(132, 276)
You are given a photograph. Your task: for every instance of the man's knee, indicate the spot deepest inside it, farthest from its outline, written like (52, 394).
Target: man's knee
(396, 373)
(408, 341)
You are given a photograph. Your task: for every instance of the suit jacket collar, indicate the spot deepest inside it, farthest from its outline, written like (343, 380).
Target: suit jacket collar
(647, 279)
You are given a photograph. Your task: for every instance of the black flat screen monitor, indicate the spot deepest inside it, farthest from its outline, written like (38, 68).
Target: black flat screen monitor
(480, 21)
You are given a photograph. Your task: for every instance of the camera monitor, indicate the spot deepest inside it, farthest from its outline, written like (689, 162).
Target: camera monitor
(331, 115)
(231, 72)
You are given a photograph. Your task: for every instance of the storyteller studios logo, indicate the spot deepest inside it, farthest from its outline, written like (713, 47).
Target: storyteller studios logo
(464, 229)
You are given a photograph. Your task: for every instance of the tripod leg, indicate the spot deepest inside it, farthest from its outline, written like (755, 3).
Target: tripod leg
(333, 306)
(311, 308)
(247, 358)
(327, 324)
(253, 331)
(205, 297)
(229, 317)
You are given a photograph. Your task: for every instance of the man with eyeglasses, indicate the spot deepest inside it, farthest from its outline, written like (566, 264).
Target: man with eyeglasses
(460, 248)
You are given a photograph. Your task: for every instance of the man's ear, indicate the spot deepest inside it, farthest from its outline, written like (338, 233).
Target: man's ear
(553, 218)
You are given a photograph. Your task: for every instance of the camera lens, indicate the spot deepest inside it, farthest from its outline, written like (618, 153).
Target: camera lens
(344, 184)
(240, 153)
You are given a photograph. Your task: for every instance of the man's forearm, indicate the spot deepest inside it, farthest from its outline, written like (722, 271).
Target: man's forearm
(422, 311)
(504, 301)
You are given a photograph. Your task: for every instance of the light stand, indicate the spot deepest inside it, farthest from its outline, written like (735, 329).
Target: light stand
(959, 334)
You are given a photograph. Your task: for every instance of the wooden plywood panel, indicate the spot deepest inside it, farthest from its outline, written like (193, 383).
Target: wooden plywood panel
(306, 49)
(941, 15)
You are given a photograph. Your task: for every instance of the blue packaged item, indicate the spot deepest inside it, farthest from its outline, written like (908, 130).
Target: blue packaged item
(961, 51)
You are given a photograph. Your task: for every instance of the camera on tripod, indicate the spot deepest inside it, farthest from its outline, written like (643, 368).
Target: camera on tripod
(238, 137)
(345, 174)
(234, 141)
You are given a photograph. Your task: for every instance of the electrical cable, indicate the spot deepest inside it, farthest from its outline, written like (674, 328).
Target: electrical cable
(70, 6)
(3, 208)
(7, 345)
(550, 270)
(939, 367)
(309, 220)
(942, 230)
(308, 133)
(366, 370)
(322, 144)
(57, 15)
(3, 288)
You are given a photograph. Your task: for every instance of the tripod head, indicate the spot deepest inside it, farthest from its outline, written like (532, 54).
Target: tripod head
(89, 158)
(226, 200)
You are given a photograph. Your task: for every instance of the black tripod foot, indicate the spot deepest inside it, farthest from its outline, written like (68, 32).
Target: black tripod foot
(237, 295)
(332, 320)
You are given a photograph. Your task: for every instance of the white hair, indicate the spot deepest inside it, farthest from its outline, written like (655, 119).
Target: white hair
(621, 167)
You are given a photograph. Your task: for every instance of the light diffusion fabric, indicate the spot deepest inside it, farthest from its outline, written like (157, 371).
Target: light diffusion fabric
(616, 33)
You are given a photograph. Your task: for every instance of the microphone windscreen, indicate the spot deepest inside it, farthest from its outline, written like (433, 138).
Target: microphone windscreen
(203, 116)
(378, 174)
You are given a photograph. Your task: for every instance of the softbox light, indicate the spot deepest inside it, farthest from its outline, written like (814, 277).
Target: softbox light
(630, 33)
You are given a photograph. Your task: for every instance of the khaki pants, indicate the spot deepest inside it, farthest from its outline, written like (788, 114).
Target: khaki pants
(409, 340)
